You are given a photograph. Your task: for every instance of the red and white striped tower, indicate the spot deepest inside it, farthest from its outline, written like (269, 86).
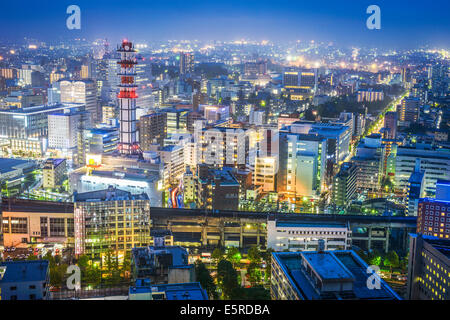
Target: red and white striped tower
(127, 99)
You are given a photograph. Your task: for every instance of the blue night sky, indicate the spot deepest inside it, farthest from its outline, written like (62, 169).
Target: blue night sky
(403, 23)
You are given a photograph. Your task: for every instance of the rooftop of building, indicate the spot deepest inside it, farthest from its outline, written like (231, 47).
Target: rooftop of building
(54, 162)
(173, 291)
(331, 266)
(182, 291)
(441, 245)
(23, 205)
(110, 194)
(154, 114)
(23, 271)
(10, 164)
(416, 177)
(435, 201)
(103, 131)
(122, 175)
(144, 256)
(327, 266)
(345, 167)
(224, 176)
(39, 109)
(293, 224)
(170, 148)
(303, 136)
(69, 112)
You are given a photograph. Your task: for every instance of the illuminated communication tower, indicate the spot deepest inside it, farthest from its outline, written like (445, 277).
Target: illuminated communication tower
(127, 99)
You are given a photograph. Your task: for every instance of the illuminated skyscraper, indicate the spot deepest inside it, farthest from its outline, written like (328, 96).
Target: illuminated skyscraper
(186, 63)
(127, 99)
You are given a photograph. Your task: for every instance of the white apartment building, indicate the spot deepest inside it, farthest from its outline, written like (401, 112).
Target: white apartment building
(298, 236)
(220, 146)
(173, 158)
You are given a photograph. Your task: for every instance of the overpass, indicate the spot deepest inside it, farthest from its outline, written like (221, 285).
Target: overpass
(201, 228)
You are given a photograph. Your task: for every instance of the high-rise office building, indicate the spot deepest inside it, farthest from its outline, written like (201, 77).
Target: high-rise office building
(186, 63)
(63, 128)
(415, 191)
(299, 79)
(428, 268)
(86, 71)
(81, 91)
(108, 114)
(434, 162)
(54, 172)
(338, 137)
(177, 120)
(217, 189)
(172, 157)
(369, 164)
(439, 80)
(152, 130)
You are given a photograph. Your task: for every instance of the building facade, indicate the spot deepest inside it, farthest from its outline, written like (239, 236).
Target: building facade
(428, 268)
(110, 220)
(295, 236)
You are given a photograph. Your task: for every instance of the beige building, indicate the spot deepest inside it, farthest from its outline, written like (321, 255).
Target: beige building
(265, 173)
(54, 172)
(31, 222)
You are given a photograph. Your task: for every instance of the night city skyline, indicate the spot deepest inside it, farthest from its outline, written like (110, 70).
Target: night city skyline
(232, 153)
(405, 24)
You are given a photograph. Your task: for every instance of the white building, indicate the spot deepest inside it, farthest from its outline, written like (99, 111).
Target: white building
(435, 163)
(134, 183)
(265, 173)
(298, 236)
(81, 91)
(338, 136)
